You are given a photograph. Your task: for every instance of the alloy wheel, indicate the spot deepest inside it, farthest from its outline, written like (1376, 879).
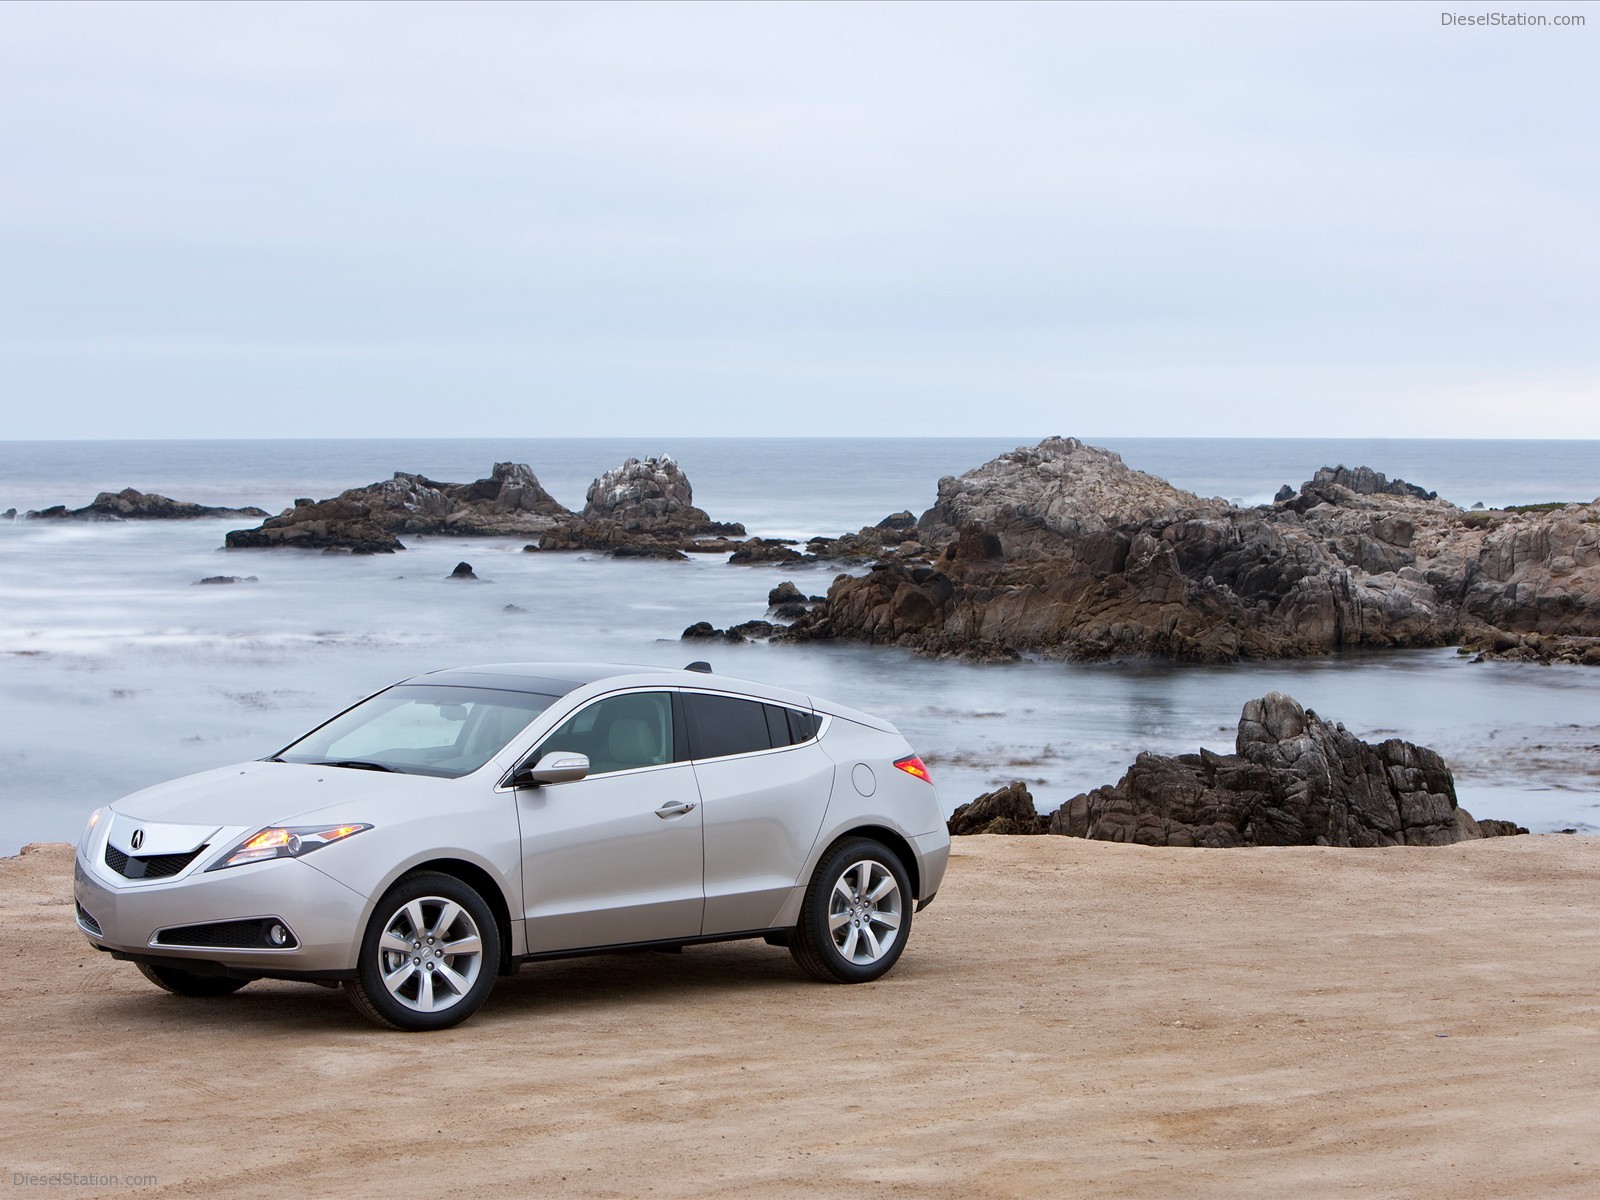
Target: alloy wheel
(430, 954)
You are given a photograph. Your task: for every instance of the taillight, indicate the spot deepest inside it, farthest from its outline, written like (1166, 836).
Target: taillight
(913, 765)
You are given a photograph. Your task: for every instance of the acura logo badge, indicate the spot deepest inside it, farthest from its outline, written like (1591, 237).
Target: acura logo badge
(137, 839)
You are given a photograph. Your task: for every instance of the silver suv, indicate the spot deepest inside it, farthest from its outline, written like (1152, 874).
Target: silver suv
(459, 824)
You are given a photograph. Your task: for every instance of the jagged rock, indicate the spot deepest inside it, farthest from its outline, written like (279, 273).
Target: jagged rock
(1294, 779)
(712, 545)
(1364, 481)
(368, 520)
(1503, 646)
(463, 571)
(132, 505)
(583, 535)
(643, 509)
(869, 543)
(896, 537)
(650, 495)
(607, 538)
(10, 514)
(787, 602)
(1088, 559)
(784, 593)
(764, 550)
(1489, 827)
(1060, 488)
(1284, 493)
(1008, 810)
(1539, 572)
(704, 631)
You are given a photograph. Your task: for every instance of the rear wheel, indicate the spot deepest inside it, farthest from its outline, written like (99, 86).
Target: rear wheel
(429, 955)
(187, 983)
(856, 916)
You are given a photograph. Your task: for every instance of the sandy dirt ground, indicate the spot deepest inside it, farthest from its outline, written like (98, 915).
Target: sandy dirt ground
(1071, 1019)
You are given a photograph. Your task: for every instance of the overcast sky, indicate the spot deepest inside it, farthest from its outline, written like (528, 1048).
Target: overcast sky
(226, 220)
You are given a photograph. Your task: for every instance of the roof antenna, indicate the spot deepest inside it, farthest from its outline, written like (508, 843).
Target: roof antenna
(703, 667)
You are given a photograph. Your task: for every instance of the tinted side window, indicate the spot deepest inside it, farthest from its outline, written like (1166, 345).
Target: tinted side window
(617, 733)
(720, 725)
(802, 725)
(778, 725)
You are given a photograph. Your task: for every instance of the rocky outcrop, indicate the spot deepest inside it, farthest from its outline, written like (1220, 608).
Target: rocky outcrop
(1008, 810)
(1060, 489)
(1362, 481)
(602, 537)
(1062, 550)
(650, 495)
(1294, 779)
(764, 550)
(370, 520)
(1548, 649)
(645, 509)
(786, 601)
(131, 504)
(748, 631)
(868, 544)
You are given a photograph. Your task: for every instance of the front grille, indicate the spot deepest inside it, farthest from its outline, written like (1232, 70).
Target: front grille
(87, 921)
(157, 866)
(237, 935)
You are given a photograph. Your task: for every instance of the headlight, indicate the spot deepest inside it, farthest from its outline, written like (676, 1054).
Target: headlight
(280, 841)
(88, 830)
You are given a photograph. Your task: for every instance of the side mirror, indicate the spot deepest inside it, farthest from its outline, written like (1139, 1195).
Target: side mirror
(559, 766)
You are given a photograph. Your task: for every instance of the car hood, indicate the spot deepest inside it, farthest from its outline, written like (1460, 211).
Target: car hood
(259, 793)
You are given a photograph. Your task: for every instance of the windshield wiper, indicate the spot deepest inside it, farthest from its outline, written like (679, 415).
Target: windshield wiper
(360, 765)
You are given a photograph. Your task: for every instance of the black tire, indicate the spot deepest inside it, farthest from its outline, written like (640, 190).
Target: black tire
(186, 983)
(439, 991)
(844, 935)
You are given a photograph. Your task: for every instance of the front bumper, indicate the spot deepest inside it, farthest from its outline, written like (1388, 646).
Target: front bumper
(127, 919)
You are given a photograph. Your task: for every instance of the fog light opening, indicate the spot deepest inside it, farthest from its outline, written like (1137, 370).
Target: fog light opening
(278, 935)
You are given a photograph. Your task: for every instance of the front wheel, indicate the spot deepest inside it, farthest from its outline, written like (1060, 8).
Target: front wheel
(856, 916)
(187, 983)
(429, 955)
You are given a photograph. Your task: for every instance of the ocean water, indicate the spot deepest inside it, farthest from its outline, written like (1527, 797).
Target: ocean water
(120, 670)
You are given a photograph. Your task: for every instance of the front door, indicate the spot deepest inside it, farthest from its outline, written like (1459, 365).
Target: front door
(616, 857)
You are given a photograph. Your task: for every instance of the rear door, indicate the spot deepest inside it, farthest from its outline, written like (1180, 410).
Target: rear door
(615, 857)
(765, 783)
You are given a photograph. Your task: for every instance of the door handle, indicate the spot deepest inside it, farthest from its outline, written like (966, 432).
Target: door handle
(674, 808)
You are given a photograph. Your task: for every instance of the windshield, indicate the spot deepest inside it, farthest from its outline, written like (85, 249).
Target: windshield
(420, 729)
